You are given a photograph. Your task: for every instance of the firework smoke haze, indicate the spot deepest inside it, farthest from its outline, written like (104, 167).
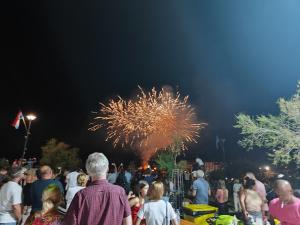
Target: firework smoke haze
(150, 122)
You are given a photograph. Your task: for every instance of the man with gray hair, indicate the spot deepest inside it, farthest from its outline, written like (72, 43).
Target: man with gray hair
(201, 189)
(11, 198)
(101, 203)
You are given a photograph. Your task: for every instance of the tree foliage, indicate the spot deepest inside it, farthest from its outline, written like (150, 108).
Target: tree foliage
(59, 154)
(280, 133)
(165, 160)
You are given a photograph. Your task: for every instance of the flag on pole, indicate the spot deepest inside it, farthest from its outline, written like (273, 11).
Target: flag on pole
(16, 122)
(217, 142)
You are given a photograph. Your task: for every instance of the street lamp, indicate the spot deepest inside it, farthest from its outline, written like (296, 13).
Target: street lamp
(267, 168)
(30, 118)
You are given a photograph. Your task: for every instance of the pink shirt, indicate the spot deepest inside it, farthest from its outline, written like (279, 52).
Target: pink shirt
(261, 190)
(288, 214)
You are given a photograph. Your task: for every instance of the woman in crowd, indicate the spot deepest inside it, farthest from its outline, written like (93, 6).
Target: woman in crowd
(138, 199)
(49, 215)
(157, 211)
(251, 203)
(222, 197)
(82, 180)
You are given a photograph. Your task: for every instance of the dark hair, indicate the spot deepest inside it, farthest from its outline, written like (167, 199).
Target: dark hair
(297, 193)
(249, 183)
(139, 186)
(148, 171)
(122, 181)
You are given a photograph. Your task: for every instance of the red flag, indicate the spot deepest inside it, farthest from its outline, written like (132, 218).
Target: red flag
(16, 122)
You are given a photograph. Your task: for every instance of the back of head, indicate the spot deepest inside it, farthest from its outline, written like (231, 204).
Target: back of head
(250, 175)
(249, 183)
(16, 172)
(97, 165)
(156, 190)
(199, 174)
(51, 198)
(45, 172)
(222, 184)
(139, 186)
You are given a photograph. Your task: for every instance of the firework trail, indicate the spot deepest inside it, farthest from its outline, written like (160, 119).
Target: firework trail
(150, 122)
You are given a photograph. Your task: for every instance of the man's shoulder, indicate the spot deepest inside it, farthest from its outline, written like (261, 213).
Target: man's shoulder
(41, 182)
(12, 186)
(259, 184)
(107, 187)
(274, 202)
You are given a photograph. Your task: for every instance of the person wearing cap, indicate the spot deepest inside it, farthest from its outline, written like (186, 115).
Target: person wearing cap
(11, 198)
(201, 189)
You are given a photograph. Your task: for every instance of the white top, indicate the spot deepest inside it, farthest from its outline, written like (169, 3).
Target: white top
(10, 194)
(155, 212)
(71, 193)
(236, 187)
(71, 179)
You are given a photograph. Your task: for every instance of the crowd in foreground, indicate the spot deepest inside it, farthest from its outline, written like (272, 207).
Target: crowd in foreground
(37, 197)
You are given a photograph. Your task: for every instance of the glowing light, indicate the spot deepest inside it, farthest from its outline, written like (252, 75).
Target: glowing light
(151, 121)
(267, 168)
(31, 117)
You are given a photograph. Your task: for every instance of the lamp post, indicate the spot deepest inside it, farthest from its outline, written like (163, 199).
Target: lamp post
(30, 118)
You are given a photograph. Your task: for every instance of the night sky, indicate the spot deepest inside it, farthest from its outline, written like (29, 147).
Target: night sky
(61, 58)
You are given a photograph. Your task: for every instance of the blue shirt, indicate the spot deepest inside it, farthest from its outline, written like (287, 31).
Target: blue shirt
(36, 191)
(202, 187)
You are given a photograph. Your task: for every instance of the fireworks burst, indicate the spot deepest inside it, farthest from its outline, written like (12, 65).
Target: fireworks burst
(152, 121)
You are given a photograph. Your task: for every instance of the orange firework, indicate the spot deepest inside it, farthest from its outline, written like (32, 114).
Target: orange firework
(152, 121)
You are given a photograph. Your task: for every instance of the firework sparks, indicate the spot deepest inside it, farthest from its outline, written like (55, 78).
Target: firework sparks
(152, 121)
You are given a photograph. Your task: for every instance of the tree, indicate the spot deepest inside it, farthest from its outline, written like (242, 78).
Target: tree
(280, 133)
(165, 160)
(59, 154)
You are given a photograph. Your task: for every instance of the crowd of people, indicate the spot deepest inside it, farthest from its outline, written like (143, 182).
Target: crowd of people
(109, 195)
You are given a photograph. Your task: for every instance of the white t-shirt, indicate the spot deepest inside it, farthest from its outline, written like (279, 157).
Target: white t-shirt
(71, 193)
(71, 179)
(10, 194)
(155, 212)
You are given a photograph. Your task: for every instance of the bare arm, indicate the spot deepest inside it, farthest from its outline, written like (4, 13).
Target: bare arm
(127, 220)
(242, 201)
(115, 167)
(138, 221)
(174, 222)
(133, 201)
(271, 219)
(17, 209)
(194, 192)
